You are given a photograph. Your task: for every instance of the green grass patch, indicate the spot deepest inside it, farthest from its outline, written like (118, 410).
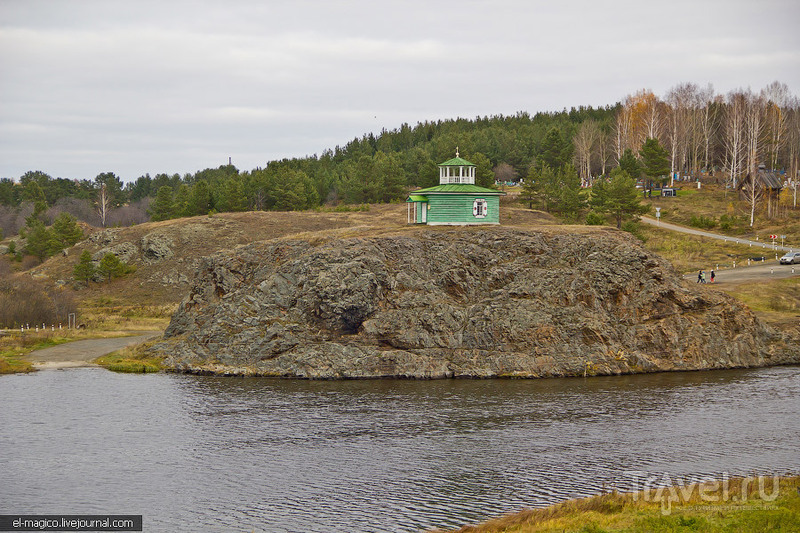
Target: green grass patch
(11, 362)
(130, 360)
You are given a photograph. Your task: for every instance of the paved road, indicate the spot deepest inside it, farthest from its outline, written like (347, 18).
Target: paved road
(761, 272)
(761, 245)
(81, 353)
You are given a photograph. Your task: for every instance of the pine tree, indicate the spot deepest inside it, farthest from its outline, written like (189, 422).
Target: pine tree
(484, 175)
(630, 164)
(391, 172)
(111, 267)
(555, 150)
(617, 196)
(570, 200)
(84, 270)
(200, 199)
(655, 160)
(37, 239)
(163, 204)
(64, 232)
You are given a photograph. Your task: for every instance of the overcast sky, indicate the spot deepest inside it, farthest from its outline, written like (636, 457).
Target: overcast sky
(136, 87)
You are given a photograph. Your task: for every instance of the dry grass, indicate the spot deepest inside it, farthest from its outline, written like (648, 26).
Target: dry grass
(689, 253)
(776, 302)
(737, 505)
(712, 201)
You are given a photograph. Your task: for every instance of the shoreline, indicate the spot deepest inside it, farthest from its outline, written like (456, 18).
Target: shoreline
(754, 503)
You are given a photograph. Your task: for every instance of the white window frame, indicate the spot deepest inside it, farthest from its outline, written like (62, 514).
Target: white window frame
(480, 208)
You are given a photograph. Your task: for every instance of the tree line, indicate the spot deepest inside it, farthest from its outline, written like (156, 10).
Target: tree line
(696, 128)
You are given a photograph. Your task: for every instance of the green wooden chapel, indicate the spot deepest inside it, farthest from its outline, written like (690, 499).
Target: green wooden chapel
(456, 201)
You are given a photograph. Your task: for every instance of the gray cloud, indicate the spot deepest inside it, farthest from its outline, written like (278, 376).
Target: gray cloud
(135, 87)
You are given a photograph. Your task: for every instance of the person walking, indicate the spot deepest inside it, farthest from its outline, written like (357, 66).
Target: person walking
(713, 276)
(700, 277)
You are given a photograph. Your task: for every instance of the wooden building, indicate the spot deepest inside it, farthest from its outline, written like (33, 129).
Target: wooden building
(456, 201)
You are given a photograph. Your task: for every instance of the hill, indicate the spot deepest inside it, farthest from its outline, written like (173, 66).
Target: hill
(166, 254)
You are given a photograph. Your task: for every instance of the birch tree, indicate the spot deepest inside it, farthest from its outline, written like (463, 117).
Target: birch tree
(103, 203)
(623, 130)
(679, 101)
(708, 121)
(585, 143)
(647, 117)
(793, 145)
(753, 127)
(776, 96)
(735, 146)
(604, 149)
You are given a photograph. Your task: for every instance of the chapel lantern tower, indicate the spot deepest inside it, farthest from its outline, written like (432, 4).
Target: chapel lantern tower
(457, 171)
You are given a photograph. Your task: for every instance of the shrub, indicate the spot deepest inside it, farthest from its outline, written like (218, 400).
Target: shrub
(593, 218)
(727, 222)
(635, 229)
(27, 301)
(702, 222)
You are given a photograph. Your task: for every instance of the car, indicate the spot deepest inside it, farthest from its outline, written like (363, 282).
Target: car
(790, 258)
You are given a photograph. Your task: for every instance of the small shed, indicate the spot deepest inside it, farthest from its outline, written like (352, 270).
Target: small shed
(456, 200)
(766, 182)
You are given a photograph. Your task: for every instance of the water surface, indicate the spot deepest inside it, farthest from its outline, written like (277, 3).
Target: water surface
(231, 454)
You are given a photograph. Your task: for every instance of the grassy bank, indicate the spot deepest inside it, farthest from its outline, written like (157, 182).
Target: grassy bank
(736, 505)
(14, 345)
(131, 360)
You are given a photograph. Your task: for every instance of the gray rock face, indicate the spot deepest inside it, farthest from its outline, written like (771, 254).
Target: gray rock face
(156, 247)
(124, 251)
(458, 302)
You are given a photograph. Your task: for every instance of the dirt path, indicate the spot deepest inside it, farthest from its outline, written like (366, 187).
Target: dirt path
(81, 353)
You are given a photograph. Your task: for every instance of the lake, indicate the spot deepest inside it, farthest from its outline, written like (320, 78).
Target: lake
(196, 453)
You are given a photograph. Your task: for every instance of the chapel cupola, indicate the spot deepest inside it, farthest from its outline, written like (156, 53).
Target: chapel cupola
(456, 170)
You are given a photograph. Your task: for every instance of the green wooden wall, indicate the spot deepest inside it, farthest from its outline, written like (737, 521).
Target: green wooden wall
(457, 209)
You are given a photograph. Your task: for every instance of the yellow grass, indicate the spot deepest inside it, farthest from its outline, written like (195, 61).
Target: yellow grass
(734, 505)
(689, 253)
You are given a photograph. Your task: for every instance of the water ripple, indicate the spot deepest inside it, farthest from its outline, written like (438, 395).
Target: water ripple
(215, 454)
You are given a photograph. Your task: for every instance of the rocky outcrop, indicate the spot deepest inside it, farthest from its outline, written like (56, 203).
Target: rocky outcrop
(469, 302)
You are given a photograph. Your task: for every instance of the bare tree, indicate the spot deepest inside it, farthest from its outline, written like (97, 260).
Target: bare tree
(504, 172)
(585, 143)
(679, 103)
(753, 127)
(103, 204)
(776, 97)
(793, 144)
(735, 146)
(707, 119)
(623, 130)
(604, 149)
